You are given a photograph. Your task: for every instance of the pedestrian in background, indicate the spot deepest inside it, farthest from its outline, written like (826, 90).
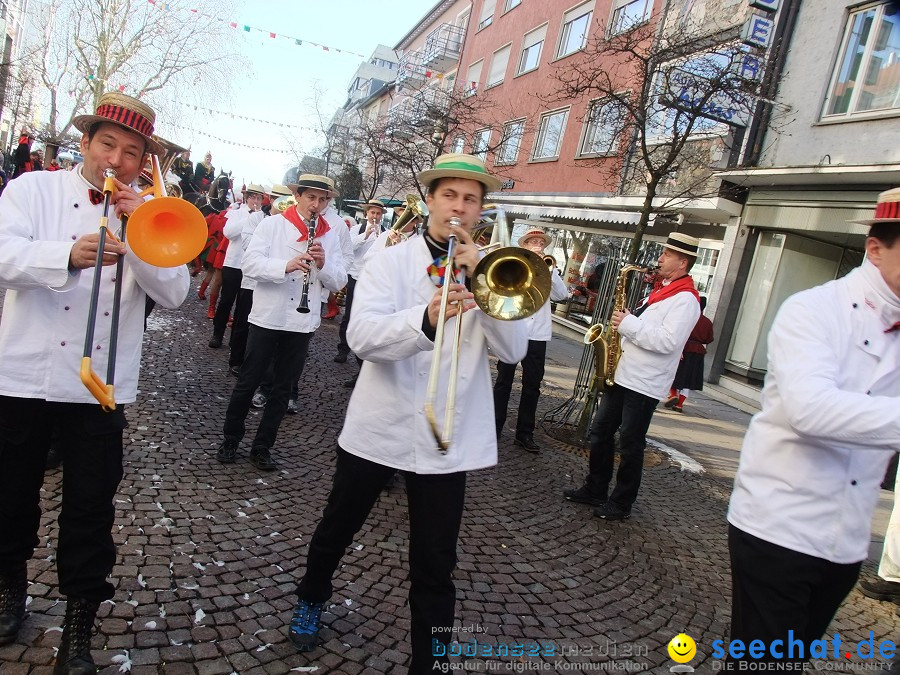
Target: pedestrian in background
(689, 375)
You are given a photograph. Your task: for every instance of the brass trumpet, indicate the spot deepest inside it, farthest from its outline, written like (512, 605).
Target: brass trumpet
(510, 283)
(550, 260)
(415, 208)
(282, 204)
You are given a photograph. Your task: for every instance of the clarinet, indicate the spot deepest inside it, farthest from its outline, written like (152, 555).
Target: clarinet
(303, 307)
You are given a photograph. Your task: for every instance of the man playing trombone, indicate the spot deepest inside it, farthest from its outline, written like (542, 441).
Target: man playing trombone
(394, 327)
(48, 249)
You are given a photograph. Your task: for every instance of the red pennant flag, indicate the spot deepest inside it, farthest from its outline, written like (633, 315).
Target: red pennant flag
(233, 24)
(271, 35)
(122, 87)
(324, 48)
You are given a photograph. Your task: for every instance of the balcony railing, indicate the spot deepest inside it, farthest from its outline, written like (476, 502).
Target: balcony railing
(442, 47)
(411, 71)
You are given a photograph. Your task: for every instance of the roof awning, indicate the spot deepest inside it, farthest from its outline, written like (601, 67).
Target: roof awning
(870, 174)
(620, 217)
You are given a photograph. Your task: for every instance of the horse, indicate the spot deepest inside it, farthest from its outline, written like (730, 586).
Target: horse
(216, 199)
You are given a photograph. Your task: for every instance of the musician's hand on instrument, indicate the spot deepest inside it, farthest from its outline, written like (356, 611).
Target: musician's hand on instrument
(299, 263)
(467, 252)
(371, 229)
(84, 251)
(395, 237)
(125, 199)
(317, 253)
(617, 317)
(457, 294)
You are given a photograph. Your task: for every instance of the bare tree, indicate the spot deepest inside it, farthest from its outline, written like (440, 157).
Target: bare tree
(86, 47)
(424, 125)
(661, 104)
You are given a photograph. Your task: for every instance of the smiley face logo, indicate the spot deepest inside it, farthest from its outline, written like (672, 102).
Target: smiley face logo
(682, 648)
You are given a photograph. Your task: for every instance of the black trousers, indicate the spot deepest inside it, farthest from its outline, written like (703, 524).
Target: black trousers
(288, 349)
(92, 454)
(435, 511)
(532, 374)
(629, 413)
(775, 590)
(343, 347)
(240, 326)
(231, 284)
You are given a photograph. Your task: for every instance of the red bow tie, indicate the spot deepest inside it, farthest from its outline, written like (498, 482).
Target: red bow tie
(896, 326)
(95, 196)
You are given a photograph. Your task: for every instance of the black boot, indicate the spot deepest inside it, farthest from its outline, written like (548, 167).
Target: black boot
(12, 606)
(74, 657)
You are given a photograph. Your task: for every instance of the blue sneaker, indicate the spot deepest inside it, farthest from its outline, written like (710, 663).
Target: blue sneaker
(305, 623)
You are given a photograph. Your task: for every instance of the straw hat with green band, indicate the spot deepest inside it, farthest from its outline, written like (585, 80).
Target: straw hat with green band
(458, 165)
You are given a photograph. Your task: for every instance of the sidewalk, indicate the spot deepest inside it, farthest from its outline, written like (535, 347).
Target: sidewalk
(708, 431)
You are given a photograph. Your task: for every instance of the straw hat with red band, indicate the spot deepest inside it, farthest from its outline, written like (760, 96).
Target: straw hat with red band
(887, 208)
(126, 112)
(535, 232)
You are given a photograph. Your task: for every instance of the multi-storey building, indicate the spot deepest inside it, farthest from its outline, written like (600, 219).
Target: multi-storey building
(564, 171)
(15, 98)
(827, 152)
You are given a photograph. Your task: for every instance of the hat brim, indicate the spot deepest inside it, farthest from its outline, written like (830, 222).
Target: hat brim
(693, 254)
(545, 237)
(297, 186)
(869, 223)
(490, 183)
(84, 122)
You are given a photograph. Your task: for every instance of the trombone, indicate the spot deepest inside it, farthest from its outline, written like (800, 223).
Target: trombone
(508, 284)
(165, 232)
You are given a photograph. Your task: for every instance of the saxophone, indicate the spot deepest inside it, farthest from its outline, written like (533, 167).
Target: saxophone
(607, 343)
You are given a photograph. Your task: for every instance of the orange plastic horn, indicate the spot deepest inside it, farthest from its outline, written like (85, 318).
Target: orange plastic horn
(166, 231)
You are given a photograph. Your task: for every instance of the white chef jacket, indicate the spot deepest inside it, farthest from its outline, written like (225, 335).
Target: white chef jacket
(652, 344)
(344, 235)
(235, 220)
(540, 325)
(248, 227)
(385, 420)
(814, 457)
(361, 246)
(277, 295)
(45, 313)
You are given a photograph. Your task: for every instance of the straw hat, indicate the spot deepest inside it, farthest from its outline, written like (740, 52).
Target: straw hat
(535, 232)
(373, 203)
(887, 208)
(683, 243)
(279, 190)
(126, 112)
(459, 165)
(256, 189)
(315, 182)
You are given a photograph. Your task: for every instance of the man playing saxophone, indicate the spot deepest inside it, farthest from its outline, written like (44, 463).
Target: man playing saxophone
(652, 341)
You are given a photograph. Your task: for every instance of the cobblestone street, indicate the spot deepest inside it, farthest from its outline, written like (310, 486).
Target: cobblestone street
(209, 554)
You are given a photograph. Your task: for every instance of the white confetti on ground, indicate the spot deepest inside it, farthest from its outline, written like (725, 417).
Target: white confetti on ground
(305, 669)
(199, 616)
(123, 660)
(684, 462)
(150, 625)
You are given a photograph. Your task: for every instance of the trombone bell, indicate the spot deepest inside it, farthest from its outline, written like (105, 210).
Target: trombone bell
(511, 283)
(167, 232)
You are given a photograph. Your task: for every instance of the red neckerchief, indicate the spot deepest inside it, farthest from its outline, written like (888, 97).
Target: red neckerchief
(294, 219)
(896, 326)
(684, 284)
